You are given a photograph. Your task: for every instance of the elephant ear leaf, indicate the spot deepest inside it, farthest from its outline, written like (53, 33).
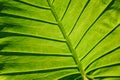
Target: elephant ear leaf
(59, 39)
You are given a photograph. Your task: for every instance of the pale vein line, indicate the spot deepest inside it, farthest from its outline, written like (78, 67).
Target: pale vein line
(75, 57)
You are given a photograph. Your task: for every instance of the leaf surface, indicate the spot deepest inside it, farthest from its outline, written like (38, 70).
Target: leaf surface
(59, 39)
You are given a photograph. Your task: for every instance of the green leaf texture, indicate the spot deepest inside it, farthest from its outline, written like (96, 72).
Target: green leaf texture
(59, 39)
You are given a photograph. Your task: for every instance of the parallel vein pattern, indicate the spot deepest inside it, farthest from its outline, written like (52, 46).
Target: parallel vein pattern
(68, 41)
(59, 39)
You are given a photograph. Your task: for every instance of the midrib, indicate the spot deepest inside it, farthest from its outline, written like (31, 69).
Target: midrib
(68, 42)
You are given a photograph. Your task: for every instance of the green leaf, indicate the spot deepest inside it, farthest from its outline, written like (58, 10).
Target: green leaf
(59, 40)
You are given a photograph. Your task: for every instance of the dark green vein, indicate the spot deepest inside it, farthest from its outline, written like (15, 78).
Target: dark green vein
(7, 34)
(78, 17)
(110, 52)
(3, 45)
(66, 10)
(8, 25)
(53, 1)
(100, 41)
(37, 71)
(34, 54)
(75, 57)
(78, 78)
(46, 8)
(97, 77)
(22, 17)
(69, 76)
(88, 29)
(8, 6)
(105, 66)
(1, 28)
